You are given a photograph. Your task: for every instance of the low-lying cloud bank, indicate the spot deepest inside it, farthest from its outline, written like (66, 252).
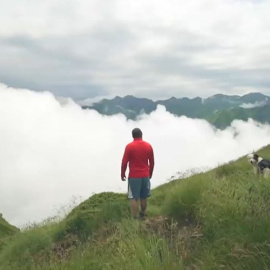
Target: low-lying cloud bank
(51, 152)
(257, 104)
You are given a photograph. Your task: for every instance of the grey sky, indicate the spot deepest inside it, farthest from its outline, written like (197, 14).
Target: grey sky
(148, 48)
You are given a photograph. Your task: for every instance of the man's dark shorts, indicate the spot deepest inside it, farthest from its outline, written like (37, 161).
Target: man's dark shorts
(139, 188)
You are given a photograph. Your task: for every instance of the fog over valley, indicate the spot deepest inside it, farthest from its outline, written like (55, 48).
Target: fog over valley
(53, 152)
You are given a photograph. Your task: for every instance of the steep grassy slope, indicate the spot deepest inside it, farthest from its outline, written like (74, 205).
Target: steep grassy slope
(214, 220)
(5, 228)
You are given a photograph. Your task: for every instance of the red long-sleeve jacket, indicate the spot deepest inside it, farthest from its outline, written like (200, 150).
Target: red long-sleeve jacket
(140, 157)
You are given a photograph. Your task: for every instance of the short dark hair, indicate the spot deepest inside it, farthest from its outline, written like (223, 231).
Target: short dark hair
(136, 133)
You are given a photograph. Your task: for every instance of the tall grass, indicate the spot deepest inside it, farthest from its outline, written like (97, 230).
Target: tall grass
(215, 220)
(181, 203)
(128, 246)
(27, 249)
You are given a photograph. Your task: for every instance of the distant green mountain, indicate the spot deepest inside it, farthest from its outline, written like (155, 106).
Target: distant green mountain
(183, 106)
(130, 106)
(220, 110)
(224, 118)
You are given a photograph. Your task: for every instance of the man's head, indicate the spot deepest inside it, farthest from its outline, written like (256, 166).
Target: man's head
(136, 133)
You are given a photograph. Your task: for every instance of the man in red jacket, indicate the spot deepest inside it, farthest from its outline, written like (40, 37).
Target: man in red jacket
(139, 156)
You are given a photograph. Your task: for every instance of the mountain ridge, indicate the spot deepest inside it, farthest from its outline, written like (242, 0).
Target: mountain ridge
(208, 109)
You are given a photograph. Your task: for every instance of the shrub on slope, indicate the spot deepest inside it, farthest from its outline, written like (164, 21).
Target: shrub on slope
(231, 206)
(95, 212)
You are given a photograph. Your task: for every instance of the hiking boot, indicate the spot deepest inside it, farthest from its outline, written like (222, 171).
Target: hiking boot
(142, 216)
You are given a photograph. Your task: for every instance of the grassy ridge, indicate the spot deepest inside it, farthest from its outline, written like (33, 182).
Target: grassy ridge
(5, 228)
(214, 220)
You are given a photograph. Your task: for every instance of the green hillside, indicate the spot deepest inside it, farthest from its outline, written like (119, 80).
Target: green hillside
(183, 106)
(220, 110)
(5, 228)
(130, 106)
(214, 220)
(224, 118)
(6, 231)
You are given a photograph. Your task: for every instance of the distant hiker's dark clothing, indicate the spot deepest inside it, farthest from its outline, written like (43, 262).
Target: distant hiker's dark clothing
(140, 157)
(264, 164)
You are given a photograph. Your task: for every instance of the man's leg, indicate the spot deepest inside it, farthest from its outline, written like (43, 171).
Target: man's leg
(134, 187)
(145, 193)
(143, 206)
(134, 207)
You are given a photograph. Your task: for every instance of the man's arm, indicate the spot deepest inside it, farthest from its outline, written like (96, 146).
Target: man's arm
(151, 162)
(125, 161)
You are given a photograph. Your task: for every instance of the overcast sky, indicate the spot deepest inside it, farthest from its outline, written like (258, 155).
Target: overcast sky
(51, 153)
(147, 48)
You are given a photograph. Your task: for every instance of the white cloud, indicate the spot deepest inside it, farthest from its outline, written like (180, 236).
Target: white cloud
(253, 105)
(91, 101)
(51, 152)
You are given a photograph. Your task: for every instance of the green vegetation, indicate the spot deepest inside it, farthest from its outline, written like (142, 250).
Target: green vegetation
(6, 229)
(219, 110)
(214, 220)
(224, 118)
